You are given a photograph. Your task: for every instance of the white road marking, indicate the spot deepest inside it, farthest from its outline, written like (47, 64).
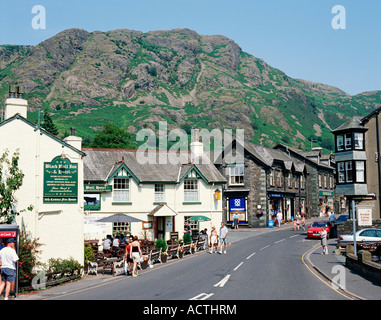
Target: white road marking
(222, 282)
(280, 240)
(250, 256)
(264, 247)
(295, 235)
(238, 266)
(202, 296)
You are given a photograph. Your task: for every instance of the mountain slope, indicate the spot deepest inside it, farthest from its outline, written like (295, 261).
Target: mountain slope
(137, 79)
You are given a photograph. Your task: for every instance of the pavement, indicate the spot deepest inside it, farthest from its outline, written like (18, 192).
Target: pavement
(329, 268)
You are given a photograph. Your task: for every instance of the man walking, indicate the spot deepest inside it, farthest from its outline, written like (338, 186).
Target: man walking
(8, 259)
(223, 234)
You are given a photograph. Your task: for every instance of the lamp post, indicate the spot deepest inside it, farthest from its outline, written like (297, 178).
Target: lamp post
(354, 226)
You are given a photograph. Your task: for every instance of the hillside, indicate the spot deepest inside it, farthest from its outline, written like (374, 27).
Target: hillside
(137, 79)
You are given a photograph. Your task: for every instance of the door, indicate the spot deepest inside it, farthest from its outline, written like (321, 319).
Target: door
(160, 227)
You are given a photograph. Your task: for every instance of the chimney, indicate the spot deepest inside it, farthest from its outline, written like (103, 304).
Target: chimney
(196, 147)
(73, 140)
(15, 104)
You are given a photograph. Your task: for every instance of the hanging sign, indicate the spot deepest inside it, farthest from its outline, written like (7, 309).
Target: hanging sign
(60, 181)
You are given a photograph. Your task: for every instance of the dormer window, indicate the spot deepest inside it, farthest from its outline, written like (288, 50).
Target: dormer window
(359, 140)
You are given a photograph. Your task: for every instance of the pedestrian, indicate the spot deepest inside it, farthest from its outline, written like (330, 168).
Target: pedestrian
(135, 254)
(213, 240)
(279, 218)
(8, 259)
(303, 222)
(332, 219)
(298, 218)
(294, 223)
(127, 258)
(323, 236)
(223, 235)
(235, 219)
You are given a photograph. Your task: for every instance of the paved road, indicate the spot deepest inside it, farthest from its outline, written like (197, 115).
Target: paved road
(267, 265)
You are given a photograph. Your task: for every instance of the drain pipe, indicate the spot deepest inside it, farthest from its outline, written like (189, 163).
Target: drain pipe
(378, 162)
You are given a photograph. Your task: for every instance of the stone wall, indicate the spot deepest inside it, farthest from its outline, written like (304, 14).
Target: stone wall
(347, 227)
(363, 265)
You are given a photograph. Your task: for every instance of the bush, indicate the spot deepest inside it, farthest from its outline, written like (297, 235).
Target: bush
(187, 238)
(160, 243)
(28, 252)
(65, 265)
(89, 254)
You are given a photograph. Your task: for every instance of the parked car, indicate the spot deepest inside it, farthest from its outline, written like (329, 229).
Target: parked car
(364, 235)
(342, 218)
(315, 228)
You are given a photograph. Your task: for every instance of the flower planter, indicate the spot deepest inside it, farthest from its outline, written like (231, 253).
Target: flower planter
(164, 258)
(181, 254)
(144, 264)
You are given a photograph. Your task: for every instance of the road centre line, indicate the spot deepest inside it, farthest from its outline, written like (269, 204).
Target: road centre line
(222, 282)
(250, 256)
(295, 235)
(238, 266)
(279, 241)
(264, 247)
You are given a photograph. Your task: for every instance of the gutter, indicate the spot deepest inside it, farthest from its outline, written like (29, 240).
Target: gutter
(379, 162)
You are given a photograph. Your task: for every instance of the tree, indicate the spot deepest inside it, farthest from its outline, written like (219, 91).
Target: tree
(113, 136)
(11, 178)
(48, 124)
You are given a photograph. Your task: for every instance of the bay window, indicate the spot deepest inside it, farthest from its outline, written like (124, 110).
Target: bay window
(352, 171)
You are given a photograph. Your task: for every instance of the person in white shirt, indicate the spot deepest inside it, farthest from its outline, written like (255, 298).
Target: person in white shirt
(223, 234)
(8, 259)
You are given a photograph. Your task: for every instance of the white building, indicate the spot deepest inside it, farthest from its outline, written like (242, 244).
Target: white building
(53, 183)
(163, 196)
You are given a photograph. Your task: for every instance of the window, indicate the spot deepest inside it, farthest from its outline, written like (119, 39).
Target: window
(295, 181)
(120, 227)
(348, 141)
(340, 143)
(302, 181)
(236, 174)
(341, 172)
(121, 191)
(271, 178)
(351, 172)
(159, 192)
(360, 171)
(190, 190)
(358, 141)
(319, 180)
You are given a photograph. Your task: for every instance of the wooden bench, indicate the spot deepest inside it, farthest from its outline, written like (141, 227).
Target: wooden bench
(201, 245)
(154, 256)
(187, 248)
(173, 250)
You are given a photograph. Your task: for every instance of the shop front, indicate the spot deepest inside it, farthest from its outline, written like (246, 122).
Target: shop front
(325, 202)
(281, 202)
(236, 204)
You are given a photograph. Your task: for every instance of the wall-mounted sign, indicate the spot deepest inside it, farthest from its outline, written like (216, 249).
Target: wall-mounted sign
(92, 201)
(98, 188)
(60, 181)
(364, 216)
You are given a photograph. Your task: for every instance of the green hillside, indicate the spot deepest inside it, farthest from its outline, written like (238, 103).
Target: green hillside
(137, 79)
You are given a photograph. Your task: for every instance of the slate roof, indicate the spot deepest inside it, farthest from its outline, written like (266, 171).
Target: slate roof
(100, 164)
(353, 123)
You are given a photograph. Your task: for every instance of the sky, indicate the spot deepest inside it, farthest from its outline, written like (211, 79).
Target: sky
(306, 39)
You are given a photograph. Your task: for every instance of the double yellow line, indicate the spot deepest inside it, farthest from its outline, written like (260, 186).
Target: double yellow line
(327, 281)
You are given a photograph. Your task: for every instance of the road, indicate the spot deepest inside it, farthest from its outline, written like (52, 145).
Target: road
(267, 266)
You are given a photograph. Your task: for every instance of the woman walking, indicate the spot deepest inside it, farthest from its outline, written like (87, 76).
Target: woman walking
(323, 236)
(213, 240)
(135, 254)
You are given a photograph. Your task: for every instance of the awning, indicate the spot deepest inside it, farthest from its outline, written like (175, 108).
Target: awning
(162, 210)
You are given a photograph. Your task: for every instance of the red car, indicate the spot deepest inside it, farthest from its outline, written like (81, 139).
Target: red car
(315, 228)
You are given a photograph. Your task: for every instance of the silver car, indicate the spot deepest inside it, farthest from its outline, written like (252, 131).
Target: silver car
(363, 235)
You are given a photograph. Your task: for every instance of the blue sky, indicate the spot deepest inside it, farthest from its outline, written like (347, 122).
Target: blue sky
(295, 36)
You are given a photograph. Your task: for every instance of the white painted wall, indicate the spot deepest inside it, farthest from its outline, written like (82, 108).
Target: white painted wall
(59, 227)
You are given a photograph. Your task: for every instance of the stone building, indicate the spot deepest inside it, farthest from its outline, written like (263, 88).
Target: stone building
(260, 183)
(320, 181)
